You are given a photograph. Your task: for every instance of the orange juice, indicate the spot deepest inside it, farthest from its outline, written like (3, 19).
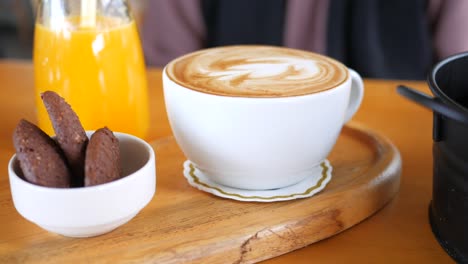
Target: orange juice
(99, 71)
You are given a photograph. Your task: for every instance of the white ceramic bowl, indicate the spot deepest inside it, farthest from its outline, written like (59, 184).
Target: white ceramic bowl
(95, 210)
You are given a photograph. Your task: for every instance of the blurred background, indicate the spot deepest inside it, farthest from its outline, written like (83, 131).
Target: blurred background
(396, 39)
(17, 26)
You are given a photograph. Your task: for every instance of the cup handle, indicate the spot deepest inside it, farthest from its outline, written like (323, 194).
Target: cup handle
(357, 93)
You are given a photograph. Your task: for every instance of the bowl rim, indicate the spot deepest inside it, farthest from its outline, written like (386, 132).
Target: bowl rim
(108, 185)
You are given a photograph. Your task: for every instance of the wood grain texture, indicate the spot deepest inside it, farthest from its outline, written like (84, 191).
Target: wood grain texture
(398, 233)
(183, 224)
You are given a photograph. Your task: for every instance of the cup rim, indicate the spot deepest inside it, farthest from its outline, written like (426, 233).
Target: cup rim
(259, 99)
(179, 83)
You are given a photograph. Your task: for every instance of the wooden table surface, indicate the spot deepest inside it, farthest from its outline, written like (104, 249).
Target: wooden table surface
(399, 233)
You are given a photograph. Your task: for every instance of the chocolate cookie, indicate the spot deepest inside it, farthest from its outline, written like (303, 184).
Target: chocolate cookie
(102, 162)
(40, 159)
(70, 133)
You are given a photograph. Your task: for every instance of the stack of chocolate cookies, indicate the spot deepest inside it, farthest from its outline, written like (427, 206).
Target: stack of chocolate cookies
(69, 160)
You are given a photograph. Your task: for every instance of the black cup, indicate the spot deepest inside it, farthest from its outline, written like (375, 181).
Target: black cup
(448, 210)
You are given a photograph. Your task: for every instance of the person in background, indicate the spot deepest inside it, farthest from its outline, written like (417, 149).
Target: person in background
(396, 39)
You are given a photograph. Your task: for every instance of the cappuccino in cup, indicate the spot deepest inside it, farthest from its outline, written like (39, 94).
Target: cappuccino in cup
(258, 117)
(256, 71)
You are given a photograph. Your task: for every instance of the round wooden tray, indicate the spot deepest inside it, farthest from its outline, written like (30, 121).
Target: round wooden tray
(185, 225)
(198, 226)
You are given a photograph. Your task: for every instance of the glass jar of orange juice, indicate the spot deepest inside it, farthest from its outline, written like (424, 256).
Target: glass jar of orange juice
(89, 52)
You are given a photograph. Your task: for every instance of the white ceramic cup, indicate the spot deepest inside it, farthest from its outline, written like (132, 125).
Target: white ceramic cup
(259, 143)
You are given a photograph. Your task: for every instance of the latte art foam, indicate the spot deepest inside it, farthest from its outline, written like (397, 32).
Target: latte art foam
(257, 71)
